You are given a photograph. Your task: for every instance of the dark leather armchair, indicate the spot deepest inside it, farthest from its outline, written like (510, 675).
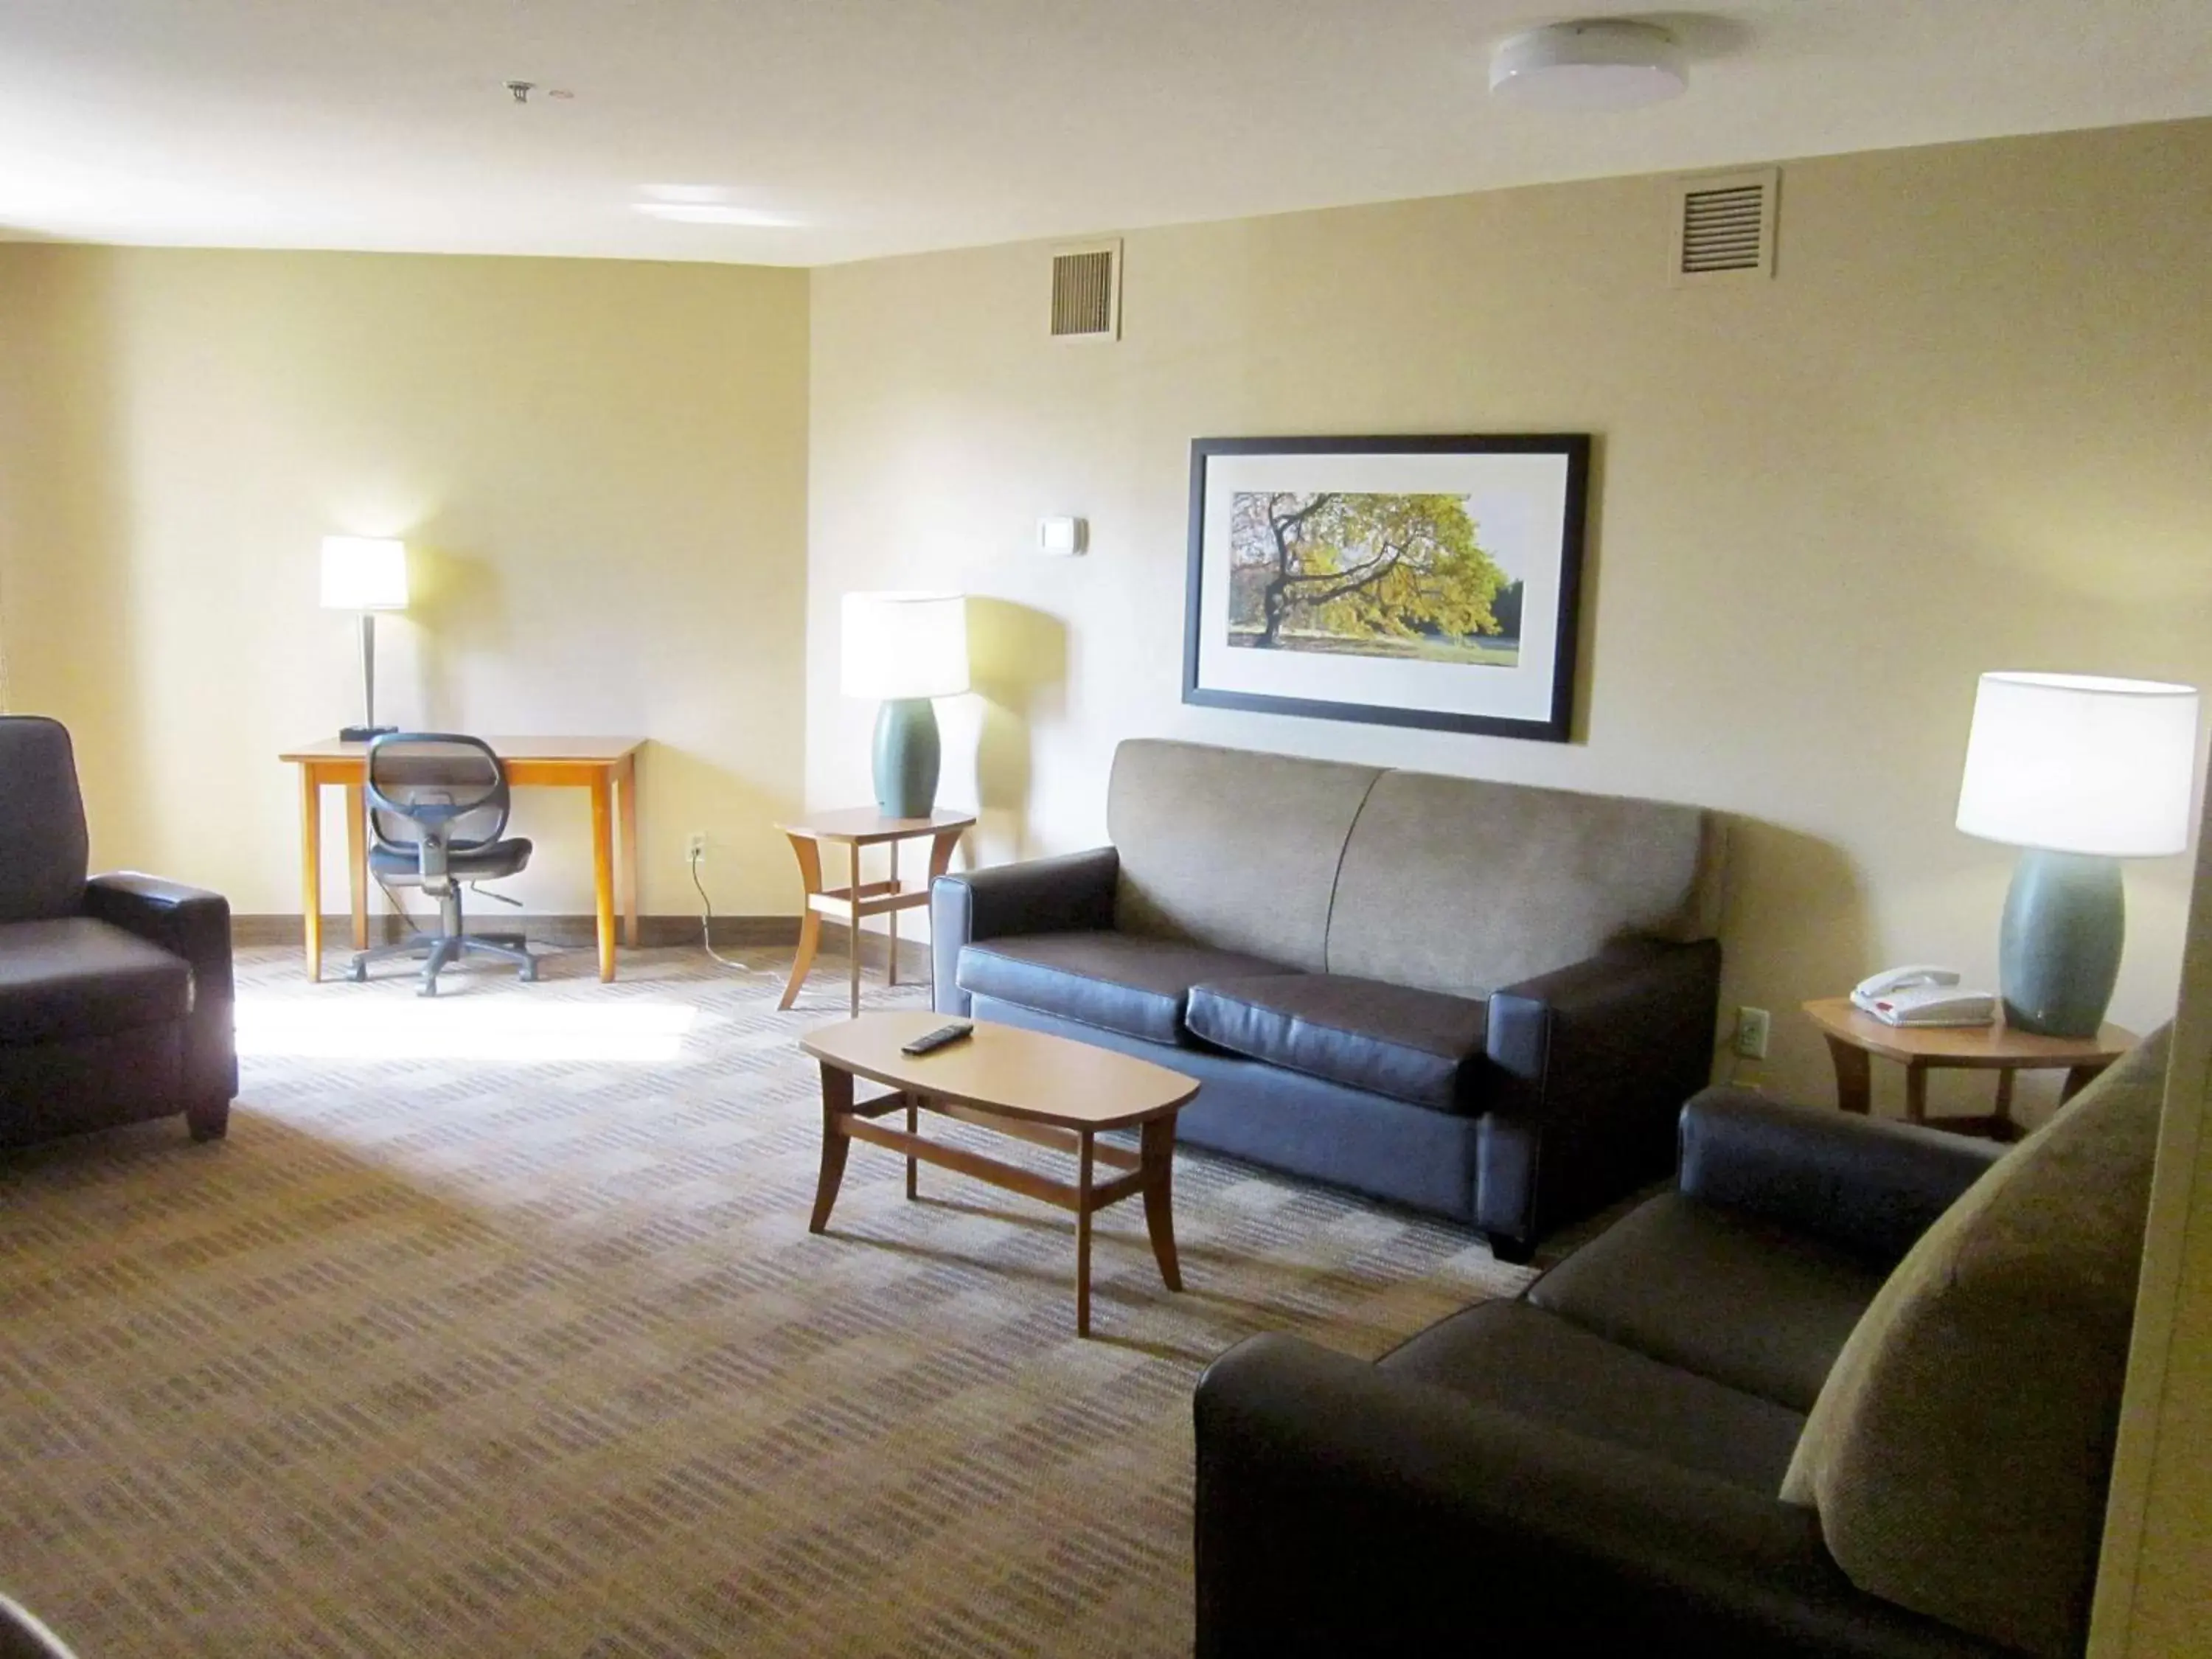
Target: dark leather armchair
(116, 994)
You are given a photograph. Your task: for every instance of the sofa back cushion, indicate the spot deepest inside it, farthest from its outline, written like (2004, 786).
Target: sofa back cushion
(1959, 1451)
(1229, 849)
(43, 846)
(1464, 885)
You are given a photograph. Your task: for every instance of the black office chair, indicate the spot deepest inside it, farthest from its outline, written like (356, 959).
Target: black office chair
(437, 803)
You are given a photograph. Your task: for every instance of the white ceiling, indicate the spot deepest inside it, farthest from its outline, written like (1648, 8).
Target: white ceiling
(896, 126)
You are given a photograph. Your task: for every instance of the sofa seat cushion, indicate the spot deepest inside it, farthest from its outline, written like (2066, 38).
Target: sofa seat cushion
(72, 976)
(1421, 1047)
(1124, 983)
(1537, 1365)
(1736, 1299)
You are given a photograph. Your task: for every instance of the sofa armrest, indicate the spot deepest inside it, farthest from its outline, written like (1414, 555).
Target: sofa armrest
(1072, 891)
(1868, 1187)
(194, 924)
(1590, 1065)
(1342, 1510)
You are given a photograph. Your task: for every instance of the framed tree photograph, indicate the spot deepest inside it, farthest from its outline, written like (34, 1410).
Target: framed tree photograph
(1430, 582)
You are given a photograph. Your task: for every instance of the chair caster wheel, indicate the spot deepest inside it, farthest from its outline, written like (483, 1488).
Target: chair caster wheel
(358, 973)
(527, 973)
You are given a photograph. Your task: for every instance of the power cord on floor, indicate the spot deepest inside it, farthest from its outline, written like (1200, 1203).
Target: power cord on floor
(707, 927)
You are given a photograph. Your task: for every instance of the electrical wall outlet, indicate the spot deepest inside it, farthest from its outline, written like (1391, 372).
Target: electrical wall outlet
(695, 846)
(1751, 1033)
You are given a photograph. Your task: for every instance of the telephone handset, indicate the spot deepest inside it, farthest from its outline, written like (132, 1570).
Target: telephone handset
(1923, 995)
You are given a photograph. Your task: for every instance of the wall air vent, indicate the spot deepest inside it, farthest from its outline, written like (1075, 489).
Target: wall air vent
(1725, 225)
(1086, 292)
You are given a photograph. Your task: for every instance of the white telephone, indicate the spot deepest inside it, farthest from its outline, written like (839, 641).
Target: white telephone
(1923, 995)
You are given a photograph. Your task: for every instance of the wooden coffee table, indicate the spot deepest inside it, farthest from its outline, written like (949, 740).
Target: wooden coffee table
(1045, 1090)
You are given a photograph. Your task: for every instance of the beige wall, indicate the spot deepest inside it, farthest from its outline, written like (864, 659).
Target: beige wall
(1965, 426)
(599, 469)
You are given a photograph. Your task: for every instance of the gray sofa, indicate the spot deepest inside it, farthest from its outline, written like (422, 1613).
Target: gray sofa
(1480, 999)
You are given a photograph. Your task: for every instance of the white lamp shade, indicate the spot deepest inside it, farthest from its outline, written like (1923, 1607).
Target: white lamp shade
(364, 573)
(904, 645)
(2076, 763)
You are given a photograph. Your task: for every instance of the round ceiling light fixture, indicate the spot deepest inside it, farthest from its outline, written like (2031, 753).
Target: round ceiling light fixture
(1604, 63)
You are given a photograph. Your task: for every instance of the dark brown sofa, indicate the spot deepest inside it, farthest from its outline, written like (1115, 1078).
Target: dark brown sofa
(1851, 1390)
(1481, 999)
(116, 993)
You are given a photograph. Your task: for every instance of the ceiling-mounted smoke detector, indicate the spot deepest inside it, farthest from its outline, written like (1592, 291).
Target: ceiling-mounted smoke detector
(1603, 65)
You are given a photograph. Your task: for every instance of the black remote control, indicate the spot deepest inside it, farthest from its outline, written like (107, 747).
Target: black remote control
(943, 1036)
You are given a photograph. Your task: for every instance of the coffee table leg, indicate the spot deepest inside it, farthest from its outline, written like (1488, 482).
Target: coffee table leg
(836, 1100)
(913, 1128)
(1083, 1235)
(1155, 1155)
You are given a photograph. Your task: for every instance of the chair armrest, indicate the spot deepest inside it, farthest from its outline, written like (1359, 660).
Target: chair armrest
(1590, 1065)
(194, 924)
(1868, 1187)
(1342, 1510)
(1073, 891)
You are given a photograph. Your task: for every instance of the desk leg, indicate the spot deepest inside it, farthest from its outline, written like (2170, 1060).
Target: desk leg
(626, 778)
(311, 868)
(356, 809)
(809, 854)
(603, 869)
(852, 923)
(890, 974)
(1853, 1077)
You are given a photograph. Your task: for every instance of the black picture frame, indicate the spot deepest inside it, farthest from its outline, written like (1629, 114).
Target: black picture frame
(1552, 723)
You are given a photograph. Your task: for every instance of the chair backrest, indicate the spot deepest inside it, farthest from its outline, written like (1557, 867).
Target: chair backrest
(435, 786)
(43, 845)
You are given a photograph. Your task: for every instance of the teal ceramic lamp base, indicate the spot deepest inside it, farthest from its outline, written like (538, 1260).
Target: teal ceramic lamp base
(2058, 954)
(907, 756)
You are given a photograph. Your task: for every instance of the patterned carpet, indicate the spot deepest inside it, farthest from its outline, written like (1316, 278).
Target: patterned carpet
(495, 1328)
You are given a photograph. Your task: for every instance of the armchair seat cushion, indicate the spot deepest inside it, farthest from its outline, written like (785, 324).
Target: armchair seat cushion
(1125, 983)
(1744, 1302)
(72, 976)
(1422, 1047)
(1538, 1366)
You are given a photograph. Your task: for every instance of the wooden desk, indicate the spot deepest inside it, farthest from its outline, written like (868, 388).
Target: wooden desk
(1854, 1037)
(606, 766)
(853, 829)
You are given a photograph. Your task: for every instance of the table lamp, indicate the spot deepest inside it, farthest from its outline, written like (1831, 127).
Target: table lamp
(2080, 772)
(369, 575)
(905, 648)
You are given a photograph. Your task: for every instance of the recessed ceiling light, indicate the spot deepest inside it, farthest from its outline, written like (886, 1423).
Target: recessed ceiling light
(1605, 63)
(716, 213)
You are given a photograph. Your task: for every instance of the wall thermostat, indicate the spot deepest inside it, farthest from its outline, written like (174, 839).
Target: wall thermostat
(1062, 535)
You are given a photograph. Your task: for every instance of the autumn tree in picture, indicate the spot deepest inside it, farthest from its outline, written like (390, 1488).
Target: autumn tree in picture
(1368, 574)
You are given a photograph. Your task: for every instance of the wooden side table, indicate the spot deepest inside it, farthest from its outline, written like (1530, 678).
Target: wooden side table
(854, 828)
(1855, 1037)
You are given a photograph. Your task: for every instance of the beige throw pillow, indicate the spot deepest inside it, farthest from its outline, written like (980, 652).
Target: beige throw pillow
(1959, 1451)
